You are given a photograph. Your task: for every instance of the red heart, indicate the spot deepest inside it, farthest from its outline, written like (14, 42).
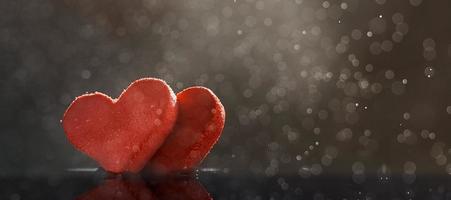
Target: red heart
(200, 121)
(122, 134)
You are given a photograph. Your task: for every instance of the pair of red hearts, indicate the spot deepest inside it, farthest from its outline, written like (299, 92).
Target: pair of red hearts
(147, 124)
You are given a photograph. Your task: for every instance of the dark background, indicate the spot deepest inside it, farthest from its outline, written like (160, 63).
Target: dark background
(306, 89)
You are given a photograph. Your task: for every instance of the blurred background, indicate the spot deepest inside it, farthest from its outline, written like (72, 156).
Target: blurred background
(310, 87)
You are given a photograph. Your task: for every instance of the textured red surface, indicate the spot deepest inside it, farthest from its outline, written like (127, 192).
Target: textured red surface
(199, 124)
(122, 134)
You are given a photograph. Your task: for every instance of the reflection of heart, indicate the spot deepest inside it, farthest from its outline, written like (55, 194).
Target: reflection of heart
(199, 124)
(122, 134)
(120, 190)
(135, 189)
(181, 189)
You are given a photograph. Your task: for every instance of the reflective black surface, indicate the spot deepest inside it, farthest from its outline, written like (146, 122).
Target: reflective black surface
(219, 185)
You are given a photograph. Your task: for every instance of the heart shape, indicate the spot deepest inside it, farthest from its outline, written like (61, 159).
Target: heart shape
(122, 134)
(199, 124)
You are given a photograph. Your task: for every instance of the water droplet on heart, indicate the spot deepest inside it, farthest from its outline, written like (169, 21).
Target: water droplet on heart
(159, 111)
(135, 148)
(211, 127)
(157, 122)
(194, 154)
